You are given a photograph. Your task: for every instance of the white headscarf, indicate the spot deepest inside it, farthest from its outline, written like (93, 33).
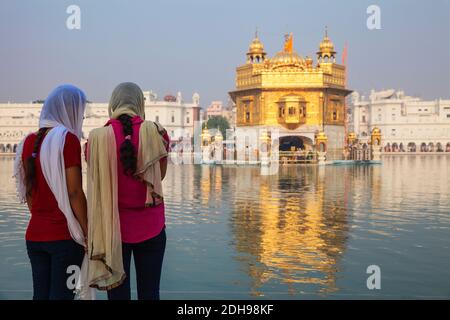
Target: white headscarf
(64, 107)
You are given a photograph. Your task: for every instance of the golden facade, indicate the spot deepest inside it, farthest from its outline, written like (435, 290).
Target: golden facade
(291, 93)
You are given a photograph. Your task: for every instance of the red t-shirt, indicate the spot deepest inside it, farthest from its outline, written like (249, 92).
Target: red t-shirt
(47, 222)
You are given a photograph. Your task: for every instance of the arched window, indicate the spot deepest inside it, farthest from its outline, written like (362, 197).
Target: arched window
(423, 147)
(411, 147)
(394, 147)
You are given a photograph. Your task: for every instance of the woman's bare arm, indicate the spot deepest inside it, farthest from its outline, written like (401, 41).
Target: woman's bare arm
(76, 196)
(27, 196)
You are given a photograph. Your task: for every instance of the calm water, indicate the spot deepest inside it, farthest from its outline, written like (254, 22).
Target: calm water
(307, 232)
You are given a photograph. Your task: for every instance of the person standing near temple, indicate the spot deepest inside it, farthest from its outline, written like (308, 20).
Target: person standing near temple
(49, 180)
(127, 161)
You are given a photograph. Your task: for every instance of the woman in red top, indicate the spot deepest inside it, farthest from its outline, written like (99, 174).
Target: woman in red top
(49, 238)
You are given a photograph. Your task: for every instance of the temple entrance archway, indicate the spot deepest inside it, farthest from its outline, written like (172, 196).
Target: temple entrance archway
(297, 142)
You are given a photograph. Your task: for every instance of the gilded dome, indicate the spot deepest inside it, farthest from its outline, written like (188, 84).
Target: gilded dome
(286, 59)
(256, 46)
(326, 46)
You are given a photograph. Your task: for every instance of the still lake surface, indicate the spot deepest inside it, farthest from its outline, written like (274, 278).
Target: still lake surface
(307, 232)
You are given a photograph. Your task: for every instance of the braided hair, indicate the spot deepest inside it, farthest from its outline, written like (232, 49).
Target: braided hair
(30, 164)
(128, 155)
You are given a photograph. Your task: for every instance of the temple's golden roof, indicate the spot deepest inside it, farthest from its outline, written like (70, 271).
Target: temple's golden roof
(288, 68)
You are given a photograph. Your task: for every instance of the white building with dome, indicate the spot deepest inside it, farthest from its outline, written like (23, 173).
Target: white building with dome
(176, 115)
(407, 124)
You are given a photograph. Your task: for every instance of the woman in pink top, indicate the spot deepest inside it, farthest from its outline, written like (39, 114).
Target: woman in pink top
(142, 228)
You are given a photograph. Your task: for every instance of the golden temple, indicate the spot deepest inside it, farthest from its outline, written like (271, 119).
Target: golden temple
(295, 95)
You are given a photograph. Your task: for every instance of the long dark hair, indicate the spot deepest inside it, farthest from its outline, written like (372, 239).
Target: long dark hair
(128, 155)
(30, 163)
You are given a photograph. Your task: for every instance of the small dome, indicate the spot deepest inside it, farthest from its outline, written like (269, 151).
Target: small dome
(256, 46)
(256, 52)
(326, 47)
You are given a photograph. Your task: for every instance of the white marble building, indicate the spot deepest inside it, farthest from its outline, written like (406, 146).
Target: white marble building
(176, 115)
(407, 124)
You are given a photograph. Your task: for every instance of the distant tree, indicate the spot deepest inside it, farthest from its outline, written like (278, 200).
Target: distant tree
(218, 122)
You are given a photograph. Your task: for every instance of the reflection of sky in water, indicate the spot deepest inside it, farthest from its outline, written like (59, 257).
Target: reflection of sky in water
(308, 232)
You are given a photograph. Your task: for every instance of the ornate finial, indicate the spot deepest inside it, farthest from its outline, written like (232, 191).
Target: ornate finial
(326, 31)
(286, 36)
(256, 33)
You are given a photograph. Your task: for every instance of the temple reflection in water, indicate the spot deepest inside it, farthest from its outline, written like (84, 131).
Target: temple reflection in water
(289, 234)
(294, 231)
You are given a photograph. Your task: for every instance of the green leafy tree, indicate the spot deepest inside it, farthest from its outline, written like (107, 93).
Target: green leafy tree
(218, 122)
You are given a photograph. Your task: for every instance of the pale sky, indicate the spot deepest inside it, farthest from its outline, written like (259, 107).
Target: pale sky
(195, 45)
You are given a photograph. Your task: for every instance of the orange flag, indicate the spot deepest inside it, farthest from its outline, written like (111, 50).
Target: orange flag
(345, 54)
(288, 46)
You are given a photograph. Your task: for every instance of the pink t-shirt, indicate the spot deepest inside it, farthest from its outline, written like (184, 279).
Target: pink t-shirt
(137, 223)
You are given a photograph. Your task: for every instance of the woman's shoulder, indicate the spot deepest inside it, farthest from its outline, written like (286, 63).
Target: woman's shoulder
(30, 137)
(72, 138)
(162, 131)
(28, 142)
